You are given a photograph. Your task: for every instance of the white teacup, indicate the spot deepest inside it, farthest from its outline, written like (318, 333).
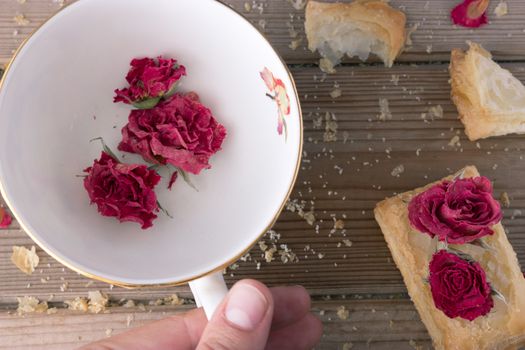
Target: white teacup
(57, 95)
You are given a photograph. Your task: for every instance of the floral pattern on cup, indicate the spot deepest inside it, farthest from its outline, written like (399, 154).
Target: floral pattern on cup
(280, 96)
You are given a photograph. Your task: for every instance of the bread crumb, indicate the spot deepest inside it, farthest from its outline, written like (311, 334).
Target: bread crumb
(505, 200)
(26, 260)
(28, 305)
(384, 110)
(348, 346)
(327, 66)
(21, 20)
(298, 4)
(77, 304)
(342, 313)
(335, 93)
(398, 170)
(502, 9)
(97, 301)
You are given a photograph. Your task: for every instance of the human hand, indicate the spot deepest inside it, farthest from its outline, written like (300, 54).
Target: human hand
(250, 317)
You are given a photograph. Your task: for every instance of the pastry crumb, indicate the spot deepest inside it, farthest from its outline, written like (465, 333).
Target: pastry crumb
(129, 303)
(347, 242)
(330, 134)
(129, 318)
(294, 44)
(335, 93)
(77, 304)
(108, 332)
(97, 301)
(298, 4)
(395, 79)
(411, 31)
(348, 346)
(327, 66)
(398, 170)
(247, 7)
(502, 9)
(454, 141)
(384, 110)
(505, 200)
(339, 224)
(342, 313)
(26, 260)
(29, 304)
(21, 20)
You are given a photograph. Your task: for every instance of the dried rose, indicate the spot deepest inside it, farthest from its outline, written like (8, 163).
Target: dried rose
(459, 287)
(124, 191)
(150, 80)
(179, 131)
(5, 218)
(458, 212)
(470, 13)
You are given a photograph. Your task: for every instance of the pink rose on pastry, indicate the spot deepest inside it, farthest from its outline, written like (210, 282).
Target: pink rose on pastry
(458, 212)
(459, 287)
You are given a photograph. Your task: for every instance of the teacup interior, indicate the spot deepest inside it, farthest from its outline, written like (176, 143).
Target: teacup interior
(57, 95)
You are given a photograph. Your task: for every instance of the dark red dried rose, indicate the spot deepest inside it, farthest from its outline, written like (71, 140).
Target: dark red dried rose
(5, 218)
(179, 131)
(149, 80)
(124, 191)
(458, 212)
(470, 13)
(459, 287)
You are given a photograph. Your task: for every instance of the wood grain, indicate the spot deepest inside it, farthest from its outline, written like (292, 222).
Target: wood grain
(376, 324)
(433, 40)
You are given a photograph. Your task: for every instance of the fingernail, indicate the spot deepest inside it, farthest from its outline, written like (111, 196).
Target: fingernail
(246, 307)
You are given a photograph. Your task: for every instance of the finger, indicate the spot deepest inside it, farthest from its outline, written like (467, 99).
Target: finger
(180, 332)
(304, 334)
(290, 305)
(242, 321)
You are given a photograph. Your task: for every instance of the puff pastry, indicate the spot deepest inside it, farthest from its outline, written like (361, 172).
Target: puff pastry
(356, 29)
(504, 327)
(489, 99)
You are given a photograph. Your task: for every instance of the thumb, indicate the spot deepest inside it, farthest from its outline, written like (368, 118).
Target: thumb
(242, 321)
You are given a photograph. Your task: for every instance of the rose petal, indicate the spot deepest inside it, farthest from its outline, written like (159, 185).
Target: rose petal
(5, 218)
(470, 13)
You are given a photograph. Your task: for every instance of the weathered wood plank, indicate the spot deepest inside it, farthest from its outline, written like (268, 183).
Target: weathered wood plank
(281, 23)
(372, 149)
(376, 324)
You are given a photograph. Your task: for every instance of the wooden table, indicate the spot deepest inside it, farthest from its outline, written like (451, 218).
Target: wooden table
(339, 180)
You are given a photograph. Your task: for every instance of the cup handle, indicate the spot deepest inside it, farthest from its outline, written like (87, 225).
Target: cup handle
(209, 291)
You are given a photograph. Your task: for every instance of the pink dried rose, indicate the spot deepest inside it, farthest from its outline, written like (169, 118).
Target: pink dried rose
(5, 218)
(179, 131)
(124, 191)
(150, 79)
(470, 13)
(458, 212)
(459, 287)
